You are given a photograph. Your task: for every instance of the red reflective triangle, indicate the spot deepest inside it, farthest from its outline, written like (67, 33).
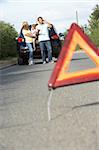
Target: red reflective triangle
(60, 75)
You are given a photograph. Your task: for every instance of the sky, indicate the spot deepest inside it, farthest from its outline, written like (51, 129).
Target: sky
(61, 13)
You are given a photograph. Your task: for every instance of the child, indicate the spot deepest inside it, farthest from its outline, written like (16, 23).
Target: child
(34, 32)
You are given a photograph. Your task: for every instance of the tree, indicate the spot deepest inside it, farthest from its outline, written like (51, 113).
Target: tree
(85, 29)
(8, 35)
(94, 25)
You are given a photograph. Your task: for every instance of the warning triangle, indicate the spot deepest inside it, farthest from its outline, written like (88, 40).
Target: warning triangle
(60, 75)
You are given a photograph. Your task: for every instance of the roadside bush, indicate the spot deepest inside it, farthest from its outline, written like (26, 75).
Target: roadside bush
(8, 36)
(94, 25)
(95, 36)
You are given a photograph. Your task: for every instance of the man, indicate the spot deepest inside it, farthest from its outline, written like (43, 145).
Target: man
(43, 38)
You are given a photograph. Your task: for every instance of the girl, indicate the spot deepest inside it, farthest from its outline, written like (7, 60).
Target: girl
(34, 32)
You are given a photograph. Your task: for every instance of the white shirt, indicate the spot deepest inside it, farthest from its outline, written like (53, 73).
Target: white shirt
(43, 32)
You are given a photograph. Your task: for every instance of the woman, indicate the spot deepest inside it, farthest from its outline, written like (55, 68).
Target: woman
(29, 40)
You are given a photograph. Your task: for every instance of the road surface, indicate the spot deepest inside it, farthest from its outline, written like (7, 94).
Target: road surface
(24, 121)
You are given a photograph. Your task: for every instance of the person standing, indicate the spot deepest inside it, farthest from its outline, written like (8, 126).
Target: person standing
(44, 39)
(29, 40)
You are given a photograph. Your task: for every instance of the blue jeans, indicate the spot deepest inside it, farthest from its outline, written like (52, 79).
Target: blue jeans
(46, 45)
(29, 45)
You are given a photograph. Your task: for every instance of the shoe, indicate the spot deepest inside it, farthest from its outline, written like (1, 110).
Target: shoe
(30, 62)
(44, 62)
(51, 61)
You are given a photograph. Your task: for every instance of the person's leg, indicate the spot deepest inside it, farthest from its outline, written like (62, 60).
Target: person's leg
(34, 44)
(49, 50)
(42, 47)
(29, 45)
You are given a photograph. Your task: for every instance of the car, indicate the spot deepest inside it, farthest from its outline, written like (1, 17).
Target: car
(23, 51)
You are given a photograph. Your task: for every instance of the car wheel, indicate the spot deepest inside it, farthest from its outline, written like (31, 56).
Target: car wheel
(20, 61)
(56, 52)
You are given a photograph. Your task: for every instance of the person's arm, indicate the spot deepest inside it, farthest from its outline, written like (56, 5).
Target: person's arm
(29, 34)
(38, 30)
(49, 24)
(25, 33)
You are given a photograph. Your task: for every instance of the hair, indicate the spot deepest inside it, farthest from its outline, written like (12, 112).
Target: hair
(39, 18)
(34, 25)
(25, 25)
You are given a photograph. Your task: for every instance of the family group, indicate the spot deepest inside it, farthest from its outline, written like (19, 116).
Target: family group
(40, 31)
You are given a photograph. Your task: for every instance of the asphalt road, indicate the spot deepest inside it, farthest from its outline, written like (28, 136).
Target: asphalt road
(24, 121)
